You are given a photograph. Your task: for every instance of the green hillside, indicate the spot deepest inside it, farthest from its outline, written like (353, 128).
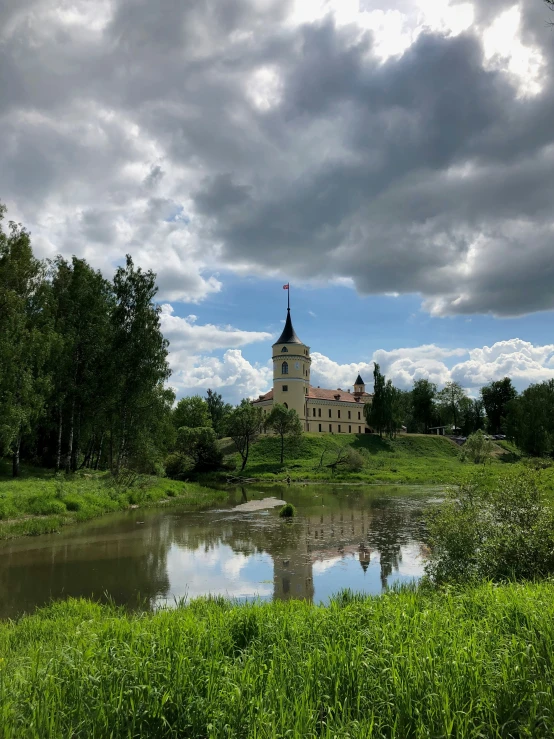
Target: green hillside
(409, 458)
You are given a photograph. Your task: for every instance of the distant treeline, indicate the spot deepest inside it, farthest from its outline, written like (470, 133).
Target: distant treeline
(526, 418)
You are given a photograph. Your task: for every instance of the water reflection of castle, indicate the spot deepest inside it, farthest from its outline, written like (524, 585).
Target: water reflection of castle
(324, 537)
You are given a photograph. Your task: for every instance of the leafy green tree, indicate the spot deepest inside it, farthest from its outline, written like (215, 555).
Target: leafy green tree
(192, 412)
(82, 303)
(285, 423)
(423, 402)
(200, 445)
(393, 409)
(243, 425)
(375, 411)
(496, 397)
(218, 411)
(530, 419)
(405, 409)
(471, 415)
(25, 339)
(139, 368)
(450, 400)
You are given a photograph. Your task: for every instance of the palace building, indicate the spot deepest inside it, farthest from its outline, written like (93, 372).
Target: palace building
(320, 410)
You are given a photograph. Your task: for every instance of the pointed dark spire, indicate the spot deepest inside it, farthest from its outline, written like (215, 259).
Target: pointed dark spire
(289, 335)
(359, 380)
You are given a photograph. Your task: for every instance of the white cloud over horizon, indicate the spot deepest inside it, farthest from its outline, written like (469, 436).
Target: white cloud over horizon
(196, 365)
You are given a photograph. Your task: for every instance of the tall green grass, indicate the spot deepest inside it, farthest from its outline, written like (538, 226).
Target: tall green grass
(40, 502)
(476, 663)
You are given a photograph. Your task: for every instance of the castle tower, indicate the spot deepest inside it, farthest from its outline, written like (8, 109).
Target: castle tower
(359, 386)
(291, 371)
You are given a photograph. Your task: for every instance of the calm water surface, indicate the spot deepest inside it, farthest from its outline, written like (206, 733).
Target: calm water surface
(363, 538)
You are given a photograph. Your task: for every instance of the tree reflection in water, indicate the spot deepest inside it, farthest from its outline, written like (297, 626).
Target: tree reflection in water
(126, 557)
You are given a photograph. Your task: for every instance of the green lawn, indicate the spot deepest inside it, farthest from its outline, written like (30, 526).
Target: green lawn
(41, 502)
(476, 663)
(410, 458)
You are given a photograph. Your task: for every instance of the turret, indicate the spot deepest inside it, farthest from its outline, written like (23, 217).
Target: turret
(291, 370)
(359, 386)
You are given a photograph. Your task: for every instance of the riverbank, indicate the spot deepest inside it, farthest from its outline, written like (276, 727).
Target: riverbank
(410, 459)
(40, 502)
(414, 663)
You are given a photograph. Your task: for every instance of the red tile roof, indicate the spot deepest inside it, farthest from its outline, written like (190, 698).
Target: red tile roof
(317, 393)
(267, 396)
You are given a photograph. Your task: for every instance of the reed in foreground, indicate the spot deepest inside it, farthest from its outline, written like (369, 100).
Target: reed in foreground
(473, 663)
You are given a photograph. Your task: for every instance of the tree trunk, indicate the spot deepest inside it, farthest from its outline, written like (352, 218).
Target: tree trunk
(245, 457)
(15, 459)
(70, 442)
(88, 454)
(59, 448)
(99, 451)
(77, 445)
(121, 443)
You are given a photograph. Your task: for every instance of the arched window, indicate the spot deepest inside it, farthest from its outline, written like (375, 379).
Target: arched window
(286, 405)
(284, 349)
(285, 368)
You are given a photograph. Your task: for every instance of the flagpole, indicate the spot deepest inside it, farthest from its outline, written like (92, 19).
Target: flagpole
(288, 298)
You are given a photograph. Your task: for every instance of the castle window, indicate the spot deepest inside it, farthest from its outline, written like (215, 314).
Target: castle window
(349, 415)
(284, 349)
(338, 412)
(359, 415)
(359, 429)
(350, 429)
(319, 412)
(286, 405)
(285, 368)
(330, 428)
(285, 388)
(320, 427)
(329, 413)
(339, 428)
(313, 413)
(307, 427)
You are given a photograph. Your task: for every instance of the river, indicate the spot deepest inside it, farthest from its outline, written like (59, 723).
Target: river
(366, 538)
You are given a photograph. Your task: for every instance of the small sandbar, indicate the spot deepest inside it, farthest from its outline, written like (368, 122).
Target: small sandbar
(259, 505)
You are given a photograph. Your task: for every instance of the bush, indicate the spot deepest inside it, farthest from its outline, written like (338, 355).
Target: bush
(73, 504)
(354, 461)
(177, 465)
(477, 449)
(287, 511)
(41, 506)
(502, 534)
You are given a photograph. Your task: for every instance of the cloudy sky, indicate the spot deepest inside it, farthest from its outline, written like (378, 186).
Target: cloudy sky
(392, 159)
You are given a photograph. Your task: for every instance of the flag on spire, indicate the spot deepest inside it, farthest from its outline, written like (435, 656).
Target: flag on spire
(286, 287)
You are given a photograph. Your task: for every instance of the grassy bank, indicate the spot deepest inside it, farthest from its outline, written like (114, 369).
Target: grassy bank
(472, 664)
(412, 458)
(40, 502)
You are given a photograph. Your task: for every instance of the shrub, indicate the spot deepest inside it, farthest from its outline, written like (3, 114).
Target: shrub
(41, 506)
(287, 511)
(506, 533)
(73, 504)
(477, 449)
(177, 465)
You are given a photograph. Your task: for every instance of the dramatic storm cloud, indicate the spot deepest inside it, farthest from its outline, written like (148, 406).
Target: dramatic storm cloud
(401, 147)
